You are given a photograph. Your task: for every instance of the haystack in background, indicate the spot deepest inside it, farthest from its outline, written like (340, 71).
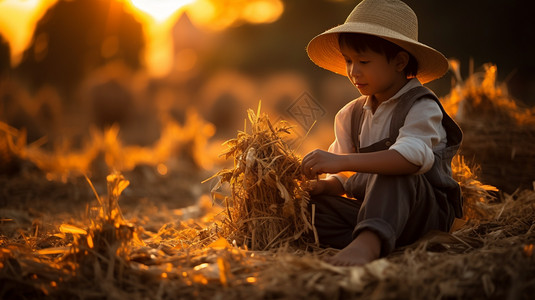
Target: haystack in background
(268, 206)
(499, 132)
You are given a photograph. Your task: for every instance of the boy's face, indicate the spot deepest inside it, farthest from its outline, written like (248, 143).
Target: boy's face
(372, 73)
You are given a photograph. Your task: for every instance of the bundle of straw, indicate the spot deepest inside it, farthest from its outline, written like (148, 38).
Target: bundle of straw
(269, 205)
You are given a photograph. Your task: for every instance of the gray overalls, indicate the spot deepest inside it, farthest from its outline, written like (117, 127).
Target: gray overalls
(400, 209)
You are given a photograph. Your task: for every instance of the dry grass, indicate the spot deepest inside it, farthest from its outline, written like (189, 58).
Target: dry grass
(476, 196)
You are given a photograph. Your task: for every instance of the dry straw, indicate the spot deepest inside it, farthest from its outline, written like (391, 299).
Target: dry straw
(267, 207)
(476, 195)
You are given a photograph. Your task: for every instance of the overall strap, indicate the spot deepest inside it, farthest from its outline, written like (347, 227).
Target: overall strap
(403, 106)
(406, 101)
(401, 110)
(357, 118)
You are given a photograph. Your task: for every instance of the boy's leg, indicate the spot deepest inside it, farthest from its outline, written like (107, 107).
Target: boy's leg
(335, 219)
(401, 209)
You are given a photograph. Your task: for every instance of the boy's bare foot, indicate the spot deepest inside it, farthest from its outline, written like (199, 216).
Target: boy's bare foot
(362, 250)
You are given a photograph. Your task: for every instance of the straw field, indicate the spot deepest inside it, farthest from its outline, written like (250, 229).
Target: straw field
(66, 236)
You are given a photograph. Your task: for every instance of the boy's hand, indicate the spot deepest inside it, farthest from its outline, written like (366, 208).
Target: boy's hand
(319, 162)
(328, 186)
(314, 187)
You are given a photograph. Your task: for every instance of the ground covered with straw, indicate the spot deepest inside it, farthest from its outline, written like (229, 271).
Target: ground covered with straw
(122, 235)
(196, 252)
(106, 256)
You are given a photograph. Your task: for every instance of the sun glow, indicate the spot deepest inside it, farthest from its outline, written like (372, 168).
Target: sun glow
(219, 15)
(158, 17)
(160, 10)
(19, 17)
(262, 11)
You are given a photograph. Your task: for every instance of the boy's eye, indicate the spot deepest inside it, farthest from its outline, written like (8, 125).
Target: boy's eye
(364, 62)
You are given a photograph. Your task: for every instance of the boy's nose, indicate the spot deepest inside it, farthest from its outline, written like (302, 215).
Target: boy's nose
(353, 72)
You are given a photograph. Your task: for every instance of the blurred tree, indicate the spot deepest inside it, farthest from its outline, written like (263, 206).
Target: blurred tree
(4, 56)
(75, 37)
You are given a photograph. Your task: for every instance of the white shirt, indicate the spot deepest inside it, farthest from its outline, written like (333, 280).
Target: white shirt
(421, 133)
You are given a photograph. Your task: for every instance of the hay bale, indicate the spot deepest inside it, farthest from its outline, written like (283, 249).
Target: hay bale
(499, 132)
(268, 206)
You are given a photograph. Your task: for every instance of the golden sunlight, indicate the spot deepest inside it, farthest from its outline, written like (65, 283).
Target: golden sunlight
(219, 15)
(160, 10)
(262, 11)
(158, 18)
(19, 17)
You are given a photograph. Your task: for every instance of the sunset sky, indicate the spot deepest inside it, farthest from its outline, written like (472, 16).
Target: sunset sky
(19, 17)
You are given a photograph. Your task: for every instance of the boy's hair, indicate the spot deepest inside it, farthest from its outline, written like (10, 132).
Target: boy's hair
(361, 42)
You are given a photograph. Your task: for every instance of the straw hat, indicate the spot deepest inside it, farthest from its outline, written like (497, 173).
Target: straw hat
(392, 20)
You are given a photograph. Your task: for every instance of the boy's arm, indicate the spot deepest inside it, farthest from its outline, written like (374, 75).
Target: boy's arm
(386, 162)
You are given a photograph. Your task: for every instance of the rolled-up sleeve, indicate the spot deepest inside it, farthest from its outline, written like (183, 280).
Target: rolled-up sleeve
(420, 134)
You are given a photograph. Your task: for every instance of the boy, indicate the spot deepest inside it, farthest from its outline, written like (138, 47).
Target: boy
(396, 140)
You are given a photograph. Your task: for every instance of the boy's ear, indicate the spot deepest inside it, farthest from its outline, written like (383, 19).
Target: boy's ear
(401, 60)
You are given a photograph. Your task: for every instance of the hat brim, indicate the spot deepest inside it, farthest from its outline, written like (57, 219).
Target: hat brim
(324, 50)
